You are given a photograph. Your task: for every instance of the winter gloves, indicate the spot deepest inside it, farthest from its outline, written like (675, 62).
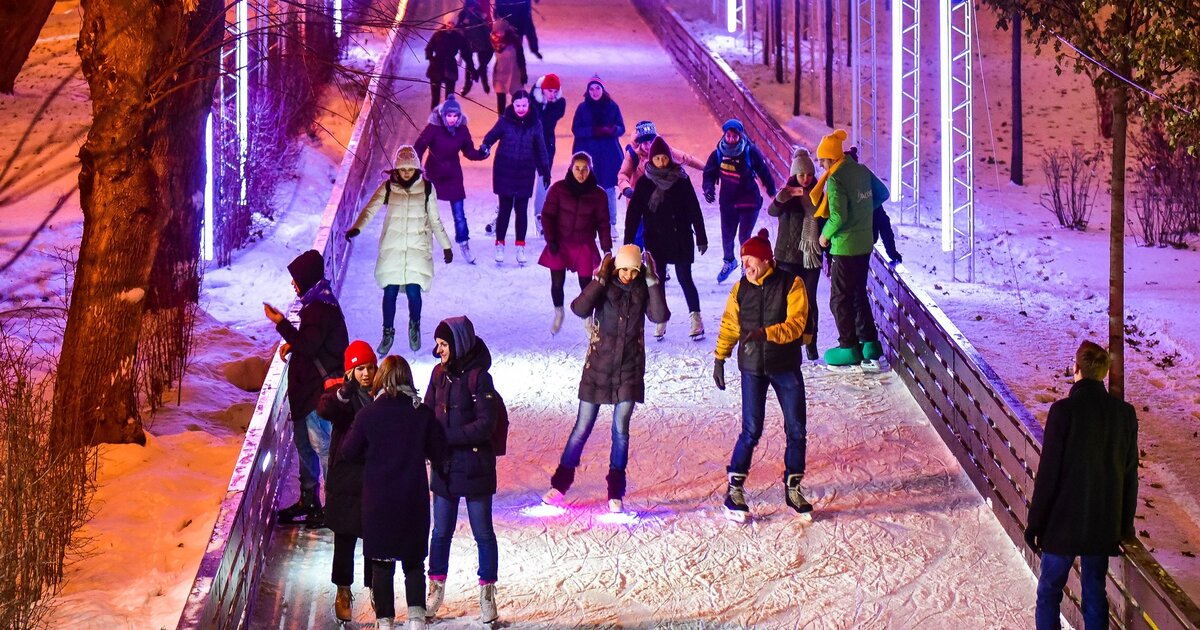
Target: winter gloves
(604, 131)
(447, 255)
(627, 193)
(605, 271)
(719, 373)
(552, 246)
(485, 150)
(650, 269)
(710, 196)
(1034, 540)
(352, 232)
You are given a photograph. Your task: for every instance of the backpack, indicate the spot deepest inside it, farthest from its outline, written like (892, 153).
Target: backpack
(387, 191)
(500, 429)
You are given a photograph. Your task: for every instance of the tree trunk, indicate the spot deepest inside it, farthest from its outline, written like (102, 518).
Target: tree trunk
(796, 57)
(850, 32)
(140, 58)
(1017, 164)
(829, 63)
(778, 23)
(1116, 257)
(20, 24)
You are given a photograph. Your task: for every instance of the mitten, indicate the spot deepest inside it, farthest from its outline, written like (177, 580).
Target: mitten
(447, 255)
(719, 373)
(352, 232)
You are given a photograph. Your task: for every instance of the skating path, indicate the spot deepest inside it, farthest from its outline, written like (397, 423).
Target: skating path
(901, 539)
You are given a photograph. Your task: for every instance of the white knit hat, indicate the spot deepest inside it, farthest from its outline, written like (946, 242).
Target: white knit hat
(629, 257)
(406, 157)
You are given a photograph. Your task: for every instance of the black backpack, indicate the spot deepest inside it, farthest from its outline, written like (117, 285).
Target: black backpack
(387, 190)
(500, 429)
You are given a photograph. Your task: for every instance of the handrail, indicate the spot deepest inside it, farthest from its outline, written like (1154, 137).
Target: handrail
(994, 437)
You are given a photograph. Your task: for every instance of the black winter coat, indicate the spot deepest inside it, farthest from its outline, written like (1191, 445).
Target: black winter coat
(444, 46)
(668, 230)
(442, 166)
(1085, 492)
(343, 488)
(521, 155)
(598, 127)
(395, 436)
(549, 114)
(615, 368)
(746, 166)
(322, 336)
(468, 421)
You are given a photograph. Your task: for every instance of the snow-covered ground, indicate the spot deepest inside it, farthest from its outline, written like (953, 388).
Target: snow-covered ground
(900, 536)
(1041, 289)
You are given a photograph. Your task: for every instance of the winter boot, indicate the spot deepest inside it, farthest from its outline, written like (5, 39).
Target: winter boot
(556, 325)
(483, 81)
(465, 248)
(616, 490)
(810, 350)
(487, 603)
(521, 255)
(385, 344)
(416, 618)
(414, 334)
(794, 498)
(343, 604)
(499, 252)
(660, 330)
(726, 269)
(735, 499)
(292, 514)
(560, 482)
(316, 517)
(871, 350)
(437, 593)
(843, 356)
(697, 331)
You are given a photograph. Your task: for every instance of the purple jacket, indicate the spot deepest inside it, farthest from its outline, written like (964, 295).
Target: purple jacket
(442, 166)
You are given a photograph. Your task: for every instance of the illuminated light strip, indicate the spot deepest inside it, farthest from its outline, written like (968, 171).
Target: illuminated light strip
(731, 14)
(207, 231)
(337, 18)
(243, 92)
(897, 97)
(947, 126)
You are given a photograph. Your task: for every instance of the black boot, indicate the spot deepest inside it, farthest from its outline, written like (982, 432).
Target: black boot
(316, 517)
(616, 483)
(562, 478)
(298, 512)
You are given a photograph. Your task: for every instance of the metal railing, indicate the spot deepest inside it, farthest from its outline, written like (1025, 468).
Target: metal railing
(993, 436)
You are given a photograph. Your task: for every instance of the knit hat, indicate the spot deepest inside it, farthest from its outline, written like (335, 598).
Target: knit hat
(358, 353)
(406, 157)
(307, 269)
(802, 163)
(831, 146)
(629, 257)
(659, 147)
(735, 125)
(644, 131)
(451, 106)
(518, 95)
(551, 82)
(758, 246)
(597, 80)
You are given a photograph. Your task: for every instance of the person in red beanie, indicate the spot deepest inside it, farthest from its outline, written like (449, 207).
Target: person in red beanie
(550, 106)
(765, 317)
(343, 398)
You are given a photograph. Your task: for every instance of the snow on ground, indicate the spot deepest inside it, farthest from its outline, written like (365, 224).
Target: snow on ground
(1041, 289)
(900, 535)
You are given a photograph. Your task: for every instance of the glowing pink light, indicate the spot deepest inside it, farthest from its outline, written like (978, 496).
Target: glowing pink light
(543, 510)
(618, 518)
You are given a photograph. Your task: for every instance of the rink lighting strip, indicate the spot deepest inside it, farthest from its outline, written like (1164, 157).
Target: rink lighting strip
(897, 96)
(337, 18)
(243, 92)
(731, 15)
(947, 130)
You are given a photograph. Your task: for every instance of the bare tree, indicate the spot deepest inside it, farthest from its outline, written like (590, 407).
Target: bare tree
(20, 23)
(1017, 164)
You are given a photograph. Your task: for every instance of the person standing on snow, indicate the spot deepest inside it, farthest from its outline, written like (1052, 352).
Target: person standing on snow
(1085, 491)
(343, 491)
(598, 127)
(506, 76)
(666, 204)
(576, 212)
(734, 165)
(847, 194)
(475, 25)
(446, 136)
(521, 156)
(316, 349)
(442, 52)
(394, 436)
(765, 316)
(462, 395)
(633, 165)
(798, 249)
(625, 292)
(405, 252)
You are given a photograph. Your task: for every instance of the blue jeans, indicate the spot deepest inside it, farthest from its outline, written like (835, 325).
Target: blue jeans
(320, 432)
(445, 518)
(309, 461)
(611, 191)
(742, 221)
(1055, 568)
(789, 389)
(618, 458)
(391, 293)
(461, 233)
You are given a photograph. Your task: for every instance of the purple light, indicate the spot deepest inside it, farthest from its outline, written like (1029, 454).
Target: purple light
(543, 510)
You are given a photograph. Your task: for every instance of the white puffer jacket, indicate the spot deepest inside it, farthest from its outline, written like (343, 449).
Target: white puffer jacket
(405, 246)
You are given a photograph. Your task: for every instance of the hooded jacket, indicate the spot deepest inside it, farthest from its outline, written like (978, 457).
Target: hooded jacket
(321, 338)
(343, 488)
(615, 368)
(442, 166)
(444, 47)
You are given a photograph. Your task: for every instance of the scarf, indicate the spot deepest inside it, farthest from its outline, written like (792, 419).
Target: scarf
(726, 150)
(320, 292)
(810, 236)
(818, 192)
(578, 188)
(663, 179)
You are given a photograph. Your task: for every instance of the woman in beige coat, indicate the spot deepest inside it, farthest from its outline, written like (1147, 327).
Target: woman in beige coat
(405, 247)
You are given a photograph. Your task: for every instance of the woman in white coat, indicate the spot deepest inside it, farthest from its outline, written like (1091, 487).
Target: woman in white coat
(405, 248)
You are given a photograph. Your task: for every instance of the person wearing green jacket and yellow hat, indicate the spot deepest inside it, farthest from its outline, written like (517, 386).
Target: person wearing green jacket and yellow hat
(848, 193)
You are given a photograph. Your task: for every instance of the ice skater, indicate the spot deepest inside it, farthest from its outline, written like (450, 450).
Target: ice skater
(625, 293)
(522, 155)
(734, 165)
(550, 107)
(598, 127)
(633, 166)
(506, 74)
(765, 317)
(881, 225)
(442, 52)
(798, 248)
(446, 136)
(474, 24)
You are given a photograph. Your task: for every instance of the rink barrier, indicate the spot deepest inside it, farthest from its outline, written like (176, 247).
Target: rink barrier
(224, 587)
(993, 436)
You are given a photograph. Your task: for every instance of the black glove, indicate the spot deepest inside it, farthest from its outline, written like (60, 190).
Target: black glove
(485, 150)
(552, 246)
(1033, 539)
(710, 196)
(545, 181)
(346, 390)
(627, 193)
(703, 247)
(352, 232)
(448, 255)
(719, 373)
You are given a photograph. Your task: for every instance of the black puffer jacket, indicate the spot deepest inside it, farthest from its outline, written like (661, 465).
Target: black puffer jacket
(468, 420)
(521, 154)
(321, 338)
(343, 489)
(615, 368)
(669, 228)
(442, 51)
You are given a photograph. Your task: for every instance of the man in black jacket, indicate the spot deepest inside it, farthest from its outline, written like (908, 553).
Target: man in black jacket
(316, 348)
(1085, 492)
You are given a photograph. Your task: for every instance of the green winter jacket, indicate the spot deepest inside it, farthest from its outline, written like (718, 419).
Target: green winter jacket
(853, 192)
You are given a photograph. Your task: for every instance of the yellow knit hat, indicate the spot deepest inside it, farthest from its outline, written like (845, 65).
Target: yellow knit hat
(831, 145)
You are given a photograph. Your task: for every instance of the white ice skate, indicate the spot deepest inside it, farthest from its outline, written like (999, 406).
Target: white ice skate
(735, 506)
(697, 331)
(616, 506)
(521, 255)
(556, 325)
(499, 254)
(487, 603)
(660, 331)
(465, 248)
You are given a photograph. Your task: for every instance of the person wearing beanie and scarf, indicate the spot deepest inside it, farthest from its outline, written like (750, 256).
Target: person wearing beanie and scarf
(462, 396)
(521, 156)
(445, 137)
(637, 155)
(405, 256)
(625, 292)
(576, 213)
(598, 127)
(442, 51)
(344, 397)
(550, 107)
(765, 317)
(315, 349)
(394, 436)
(798, 248)
(881, 224)
(734, 165)
(846, 194)
(665, 203)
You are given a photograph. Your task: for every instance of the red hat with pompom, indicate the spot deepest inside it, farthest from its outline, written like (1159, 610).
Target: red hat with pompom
(759, 247)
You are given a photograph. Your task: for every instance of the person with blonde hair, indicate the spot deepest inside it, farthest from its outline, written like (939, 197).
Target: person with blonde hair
(394, 436)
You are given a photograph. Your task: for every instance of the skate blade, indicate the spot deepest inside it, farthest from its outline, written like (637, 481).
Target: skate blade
(699, 337)
(844, 369)
(660, 339)
(737, 516)
(805, 518)
(870, 367)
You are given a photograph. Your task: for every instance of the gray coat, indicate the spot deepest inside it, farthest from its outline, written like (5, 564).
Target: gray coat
(615, 368)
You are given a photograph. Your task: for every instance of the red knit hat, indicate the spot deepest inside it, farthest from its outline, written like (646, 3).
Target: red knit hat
(759, 247)
(659, 147)
(359, 353)
(551, 82)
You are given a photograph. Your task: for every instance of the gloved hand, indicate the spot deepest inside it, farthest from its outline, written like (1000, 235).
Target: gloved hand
(485, 150)
(719, 373)
(604, 272)
(346, 390)
(552, 246)
(650, 269)
(754, 335)
(703, 247)
(352, 232)
(710, 196)
(545, 181)
(448, 255)
(627, 193)
(1033, 539)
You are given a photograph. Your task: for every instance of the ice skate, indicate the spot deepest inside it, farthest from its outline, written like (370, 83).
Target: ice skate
(735, 499)
(385, 343)
(697, 331)
(385, 623)
(616, 506)
(499, 253)
(726, 269)
(521, 256)
(871, 350)
(840, 357)
(465, 248)
(487, 603)
(437, 593)
(560, 482)
(414, 334)
(556, 325)
(553, 497)
(343, 605)
(416, 618)
(795, 498)
(299, 512)
(660, 331)
(870, 366)
(316, 518)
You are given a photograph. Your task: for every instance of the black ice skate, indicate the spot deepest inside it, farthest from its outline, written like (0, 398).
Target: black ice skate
(735, 499)
(795, 499)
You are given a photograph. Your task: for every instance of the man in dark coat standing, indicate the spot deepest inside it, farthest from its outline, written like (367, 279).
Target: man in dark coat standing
(1085, 492)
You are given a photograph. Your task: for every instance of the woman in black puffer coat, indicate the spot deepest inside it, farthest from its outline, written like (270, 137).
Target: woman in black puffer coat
(521, 155)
